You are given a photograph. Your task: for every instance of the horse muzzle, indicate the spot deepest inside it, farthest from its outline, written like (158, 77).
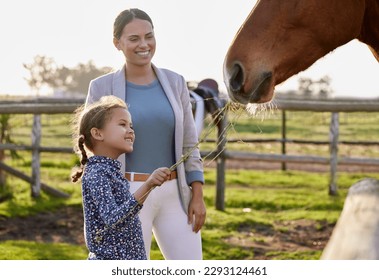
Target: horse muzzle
(244, 89)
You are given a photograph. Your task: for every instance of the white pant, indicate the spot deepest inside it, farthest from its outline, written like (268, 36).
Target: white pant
(162, 214)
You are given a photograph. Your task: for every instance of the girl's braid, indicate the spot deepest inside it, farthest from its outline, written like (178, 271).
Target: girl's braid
(84, 159)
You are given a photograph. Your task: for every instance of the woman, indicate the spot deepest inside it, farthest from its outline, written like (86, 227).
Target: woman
(159, 103)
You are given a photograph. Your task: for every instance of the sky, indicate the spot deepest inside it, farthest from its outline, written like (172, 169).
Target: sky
(193, 37)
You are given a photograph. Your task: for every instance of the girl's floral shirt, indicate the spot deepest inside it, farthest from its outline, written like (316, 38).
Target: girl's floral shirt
(111, 223)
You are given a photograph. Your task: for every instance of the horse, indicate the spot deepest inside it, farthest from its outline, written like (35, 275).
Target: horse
(280, 38)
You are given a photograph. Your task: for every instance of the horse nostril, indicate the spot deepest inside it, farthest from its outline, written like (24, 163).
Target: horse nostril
(236, 79)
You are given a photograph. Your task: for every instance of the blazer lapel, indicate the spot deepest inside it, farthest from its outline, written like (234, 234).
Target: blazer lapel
(163, 79)
(118, 83)
(169, 91)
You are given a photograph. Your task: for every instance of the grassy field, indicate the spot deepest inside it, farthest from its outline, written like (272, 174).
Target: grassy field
(255, 201)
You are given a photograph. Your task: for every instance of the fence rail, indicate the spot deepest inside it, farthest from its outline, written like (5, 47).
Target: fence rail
(329, 105)
(63, 106)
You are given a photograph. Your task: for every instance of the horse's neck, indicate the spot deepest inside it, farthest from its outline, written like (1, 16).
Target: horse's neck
(370, 31)
(375, 53)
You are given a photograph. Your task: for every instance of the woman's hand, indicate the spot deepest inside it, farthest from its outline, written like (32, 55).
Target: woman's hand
(196, 208)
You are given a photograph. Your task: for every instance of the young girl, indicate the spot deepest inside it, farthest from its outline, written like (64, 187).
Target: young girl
(112, 226)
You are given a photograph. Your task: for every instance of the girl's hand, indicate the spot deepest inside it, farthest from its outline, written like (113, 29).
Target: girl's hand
(158, 177)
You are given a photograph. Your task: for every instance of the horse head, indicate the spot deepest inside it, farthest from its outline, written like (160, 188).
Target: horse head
(281, 38)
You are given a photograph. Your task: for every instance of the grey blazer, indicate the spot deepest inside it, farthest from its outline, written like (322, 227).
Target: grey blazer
(186, 137)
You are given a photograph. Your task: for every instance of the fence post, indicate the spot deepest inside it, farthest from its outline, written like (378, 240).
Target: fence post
(334, 130)
(355, 236)
(3, 128)
(36, 140)
(284, 137)
(221, 144)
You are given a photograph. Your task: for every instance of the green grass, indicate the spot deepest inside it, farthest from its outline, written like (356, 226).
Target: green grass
(270, 196)
(26, 250)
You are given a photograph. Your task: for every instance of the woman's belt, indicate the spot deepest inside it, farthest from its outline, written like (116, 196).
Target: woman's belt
(142, 177)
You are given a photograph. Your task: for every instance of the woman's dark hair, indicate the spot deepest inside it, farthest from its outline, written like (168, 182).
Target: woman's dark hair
(127, 16)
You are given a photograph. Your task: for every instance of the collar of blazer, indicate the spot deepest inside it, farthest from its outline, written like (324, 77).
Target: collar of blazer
(118, 83)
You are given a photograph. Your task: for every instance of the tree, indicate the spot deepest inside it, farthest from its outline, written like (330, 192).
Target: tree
(44, 72)
(325, 88)
(305, 87)
(81, 75)
(320, 88)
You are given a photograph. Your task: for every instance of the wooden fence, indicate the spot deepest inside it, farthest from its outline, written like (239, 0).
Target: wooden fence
(59, 106)
(335, 106)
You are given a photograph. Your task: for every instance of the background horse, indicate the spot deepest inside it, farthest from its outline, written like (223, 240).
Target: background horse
(281, 38)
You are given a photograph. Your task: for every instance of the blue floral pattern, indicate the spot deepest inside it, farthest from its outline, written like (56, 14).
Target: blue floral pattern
(111, 223)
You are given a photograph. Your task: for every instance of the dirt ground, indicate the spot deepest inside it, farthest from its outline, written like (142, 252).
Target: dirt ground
(66, 225)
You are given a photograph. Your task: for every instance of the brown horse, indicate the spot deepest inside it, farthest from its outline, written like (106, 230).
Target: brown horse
(280, 38)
